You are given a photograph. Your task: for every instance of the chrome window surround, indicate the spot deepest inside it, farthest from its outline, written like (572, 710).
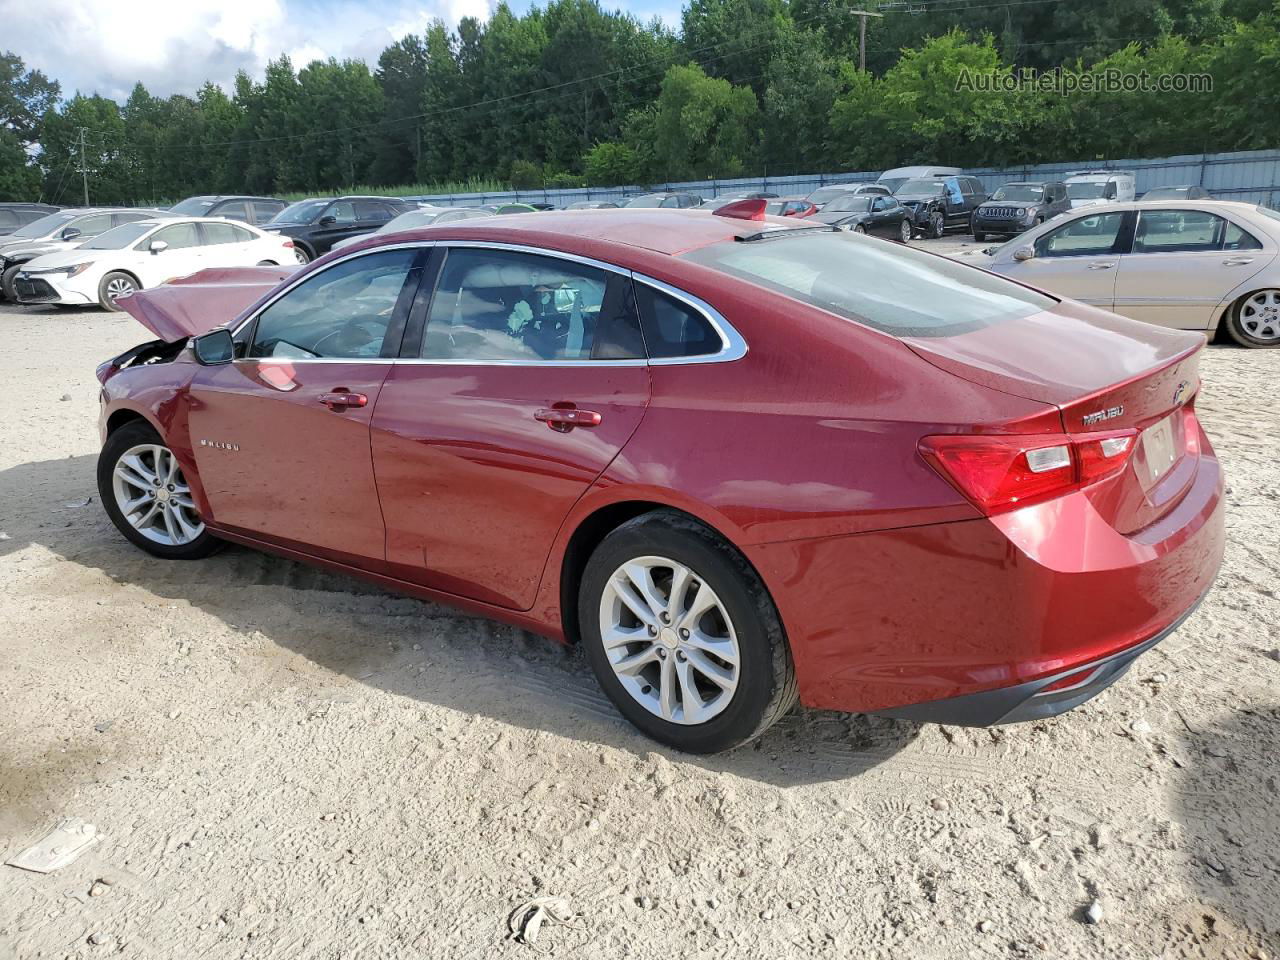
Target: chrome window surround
(732, 346)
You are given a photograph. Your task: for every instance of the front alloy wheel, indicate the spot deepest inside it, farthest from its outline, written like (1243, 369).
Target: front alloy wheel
(682, 634)
(148, 498)
(937, 226)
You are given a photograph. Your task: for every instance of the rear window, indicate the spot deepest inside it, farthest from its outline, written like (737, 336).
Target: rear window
(893, 289)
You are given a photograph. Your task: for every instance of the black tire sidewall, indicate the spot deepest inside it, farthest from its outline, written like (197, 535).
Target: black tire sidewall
(1237, 332)
(7, 282)
(130, 435)
(106, 302)
(731, 578)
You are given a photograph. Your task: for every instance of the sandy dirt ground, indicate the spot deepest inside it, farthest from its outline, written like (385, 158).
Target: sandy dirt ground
(284, 763)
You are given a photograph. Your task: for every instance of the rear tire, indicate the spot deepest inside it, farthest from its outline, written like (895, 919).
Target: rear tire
(267, 263)
(859, 228)
(904, 231)
(1254, 320)
(133, 457)
(979, 237)
(300, 254)
(726, 644)
(113, 286)
(7, 283)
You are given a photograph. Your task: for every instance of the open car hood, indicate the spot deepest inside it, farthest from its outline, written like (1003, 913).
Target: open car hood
(192, 305)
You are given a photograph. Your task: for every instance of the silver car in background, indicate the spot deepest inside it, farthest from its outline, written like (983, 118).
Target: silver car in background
(57, 233)
(1204, 265)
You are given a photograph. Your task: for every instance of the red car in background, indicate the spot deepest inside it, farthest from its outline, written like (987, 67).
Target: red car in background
(742, 460)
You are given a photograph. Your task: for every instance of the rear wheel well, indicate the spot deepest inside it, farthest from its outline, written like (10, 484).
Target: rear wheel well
(591, 531)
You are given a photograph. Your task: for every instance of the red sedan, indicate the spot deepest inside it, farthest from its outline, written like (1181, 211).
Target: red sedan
(742, 460)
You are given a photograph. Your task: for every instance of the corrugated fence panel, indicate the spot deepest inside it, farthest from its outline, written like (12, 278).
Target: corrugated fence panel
(1248, 176)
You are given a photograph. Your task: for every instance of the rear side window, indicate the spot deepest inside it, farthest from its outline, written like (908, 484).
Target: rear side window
(264, 211)
(896, 290)
(232, 210)
(1239, 239)
(672, 328)
(216, 233)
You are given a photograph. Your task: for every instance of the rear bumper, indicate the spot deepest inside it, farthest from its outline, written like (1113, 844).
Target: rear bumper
(975, 618)
(1032, 701)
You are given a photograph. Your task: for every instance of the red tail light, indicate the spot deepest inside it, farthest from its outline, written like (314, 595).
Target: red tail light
(999, 472)
(289, 244)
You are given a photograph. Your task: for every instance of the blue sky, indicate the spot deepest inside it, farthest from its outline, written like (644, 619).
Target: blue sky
(104, 46)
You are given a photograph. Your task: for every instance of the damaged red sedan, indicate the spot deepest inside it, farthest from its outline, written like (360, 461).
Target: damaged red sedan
(743, 461)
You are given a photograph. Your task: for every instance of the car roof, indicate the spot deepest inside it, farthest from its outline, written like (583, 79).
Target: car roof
(660, 231)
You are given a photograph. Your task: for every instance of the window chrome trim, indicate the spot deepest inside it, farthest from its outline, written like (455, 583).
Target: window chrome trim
(733, 346)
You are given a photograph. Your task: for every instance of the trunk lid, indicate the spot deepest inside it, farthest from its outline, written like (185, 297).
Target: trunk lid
(190, 306)
(1105, 374)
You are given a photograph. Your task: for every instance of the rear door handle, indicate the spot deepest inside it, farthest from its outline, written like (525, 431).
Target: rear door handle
(340, 398)
(565, 419)
(1101, 266)
(1237, 261)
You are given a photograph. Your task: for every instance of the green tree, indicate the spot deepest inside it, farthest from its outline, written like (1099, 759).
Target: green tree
(612, 164)
(704, 126)
(26, 97)
(402, 75)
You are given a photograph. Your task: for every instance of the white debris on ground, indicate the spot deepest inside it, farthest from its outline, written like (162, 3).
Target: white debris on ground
(286, 764)
(59, 847)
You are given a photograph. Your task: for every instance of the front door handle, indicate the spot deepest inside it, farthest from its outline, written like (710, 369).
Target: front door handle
(564, 419)
(1101, 266)
(1237, 261)
(340, 398)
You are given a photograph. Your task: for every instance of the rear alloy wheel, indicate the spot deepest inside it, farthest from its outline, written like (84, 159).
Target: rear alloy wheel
(904, 231)
(148, 498)
(859, 228)
(682, 635)
(267, 263)
(300, 254)
(114, 286)
(1255, 320)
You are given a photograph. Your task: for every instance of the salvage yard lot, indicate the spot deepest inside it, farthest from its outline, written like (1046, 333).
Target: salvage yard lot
(286, 763)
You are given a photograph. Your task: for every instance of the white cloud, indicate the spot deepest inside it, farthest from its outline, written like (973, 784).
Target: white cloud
(98, 46)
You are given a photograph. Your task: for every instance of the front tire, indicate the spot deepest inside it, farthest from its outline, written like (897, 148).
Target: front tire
(1254, 321)
(682, 635)
(859, 228)
(114, 286)
(147, 497)
(937, 226)
(979, 237)
(8, 283)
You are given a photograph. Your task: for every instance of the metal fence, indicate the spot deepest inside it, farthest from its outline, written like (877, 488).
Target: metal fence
(1249, 176)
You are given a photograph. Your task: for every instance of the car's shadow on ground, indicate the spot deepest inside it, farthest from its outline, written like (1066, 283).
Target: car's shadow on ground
(420, 650)
(1226, 803)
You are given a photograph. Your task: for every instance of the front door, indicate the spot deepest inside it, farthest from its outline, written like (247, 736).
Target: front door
(1076, 260)
(281, 435)
(527, 382)
(1182, 264)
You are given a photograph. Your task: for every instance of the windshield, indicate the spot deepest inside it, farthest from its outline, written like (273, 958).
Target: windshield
(850, 205)
(1025, 192)
(119, 237)
(410, 220)
(921, 187)
(193, 206)
(304, 211)
(42, 227)
(899, 291)
(652, 200)
(1167, 193)
(827, 194)
(1085, 190)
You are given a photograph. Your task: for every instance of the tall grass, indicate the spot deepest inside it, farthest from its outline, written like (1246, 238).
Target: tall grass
(471, 185)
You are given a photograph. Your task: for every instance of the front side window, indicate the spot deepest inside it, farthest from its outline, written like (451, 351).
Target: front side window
(1093, 236)
(342, 312)
(505, 306)
(343, 211)
(180, 236)
(1177, 231)
(898, 291)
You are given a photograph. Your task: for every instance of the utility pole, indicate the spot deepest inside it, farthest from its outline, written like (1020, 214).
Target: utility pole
(862, 35)
(84, 168)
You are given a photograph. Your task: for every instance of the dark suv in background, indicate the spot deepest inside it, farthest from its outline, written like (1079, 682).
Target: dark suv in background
(15, 216)
(255, 210)
(939, 204)
(315, 225)
(1015, 207)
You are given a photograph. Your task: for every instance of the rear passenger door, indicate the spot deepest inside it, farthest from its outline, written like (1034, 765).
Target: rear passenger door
(521, 378)
(228, 245)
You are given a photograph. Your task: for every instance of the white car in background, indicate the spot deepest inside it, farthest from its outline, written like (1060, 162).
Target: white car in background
(1192, 265)
(145, 254)
(1089, 188)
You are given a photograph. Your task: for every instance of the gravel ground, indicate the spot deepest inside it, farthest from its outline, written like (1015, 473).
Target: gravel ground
(284, 763)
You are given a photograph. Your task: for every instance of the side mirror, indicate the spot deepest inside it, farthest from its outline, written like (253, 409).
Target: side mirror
(1024, 253)
(214, 347)
(70, 233)
(158, 246)
(328, 220)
